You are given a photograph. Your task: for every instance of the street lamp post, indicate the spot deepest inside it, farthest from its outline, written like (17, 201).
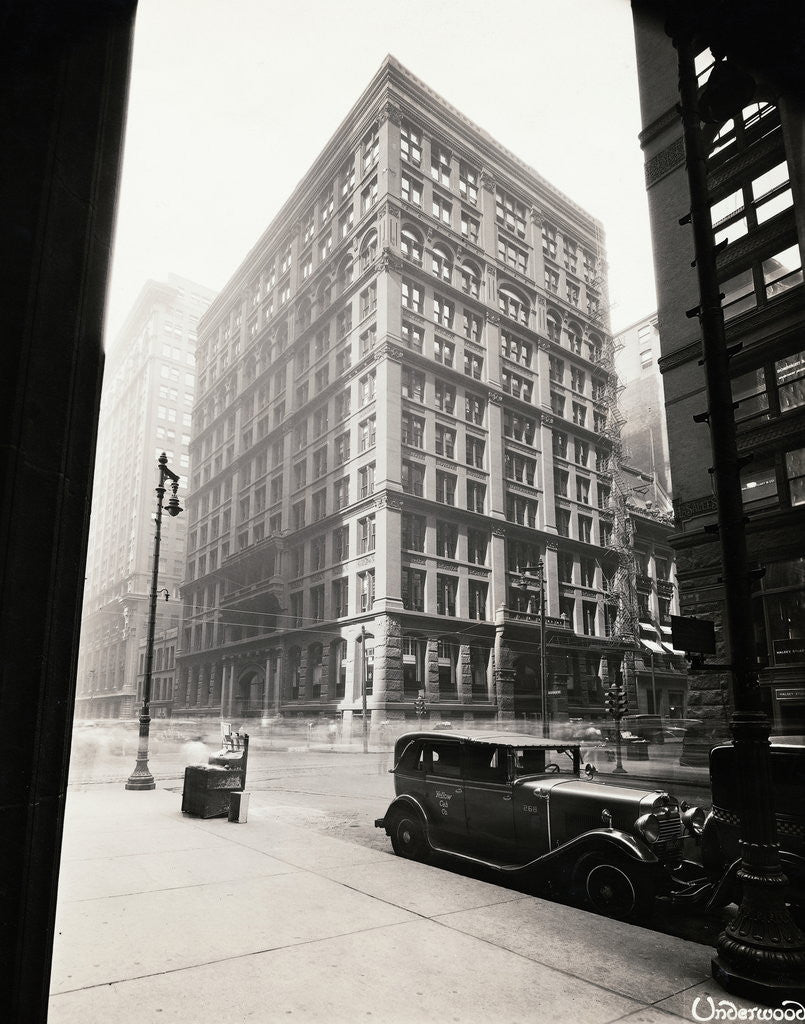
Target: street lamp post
(761, 952)
(538, 570)
(141, 777)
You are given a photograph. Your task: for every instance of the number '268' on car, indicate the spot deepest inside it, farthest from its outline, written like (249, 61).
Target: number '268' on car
(517, 804)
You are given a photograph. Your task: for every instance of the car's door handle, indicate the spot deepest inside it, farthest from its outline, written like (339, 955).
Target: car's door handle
(459, 791)
(507, 798)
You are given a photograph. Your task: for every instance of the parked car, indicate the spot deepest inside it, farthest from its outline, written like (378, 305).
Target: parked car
(518, 804)
(643, 727)
(721, 854)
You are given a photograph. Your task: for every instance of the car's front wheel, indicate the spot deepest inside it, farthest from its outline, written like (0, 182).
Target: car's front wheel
(407, 834)
(612, 887)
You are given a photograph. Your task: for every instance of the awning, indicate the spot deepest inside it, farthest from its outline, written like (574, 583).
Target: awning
(666, 630)
(649, 628)
(673, 650)
(652, 646)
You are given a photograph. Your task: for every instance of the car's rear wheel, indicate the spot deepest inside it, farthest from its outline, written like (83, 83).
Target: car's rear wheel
(407, 834)
(613, 888)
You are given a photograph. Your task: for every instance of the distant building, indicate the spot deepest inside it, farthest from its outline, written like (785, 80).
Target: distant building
(642, 400)
(146, 408)
(404, 400)
(756, 178)
(162, 670)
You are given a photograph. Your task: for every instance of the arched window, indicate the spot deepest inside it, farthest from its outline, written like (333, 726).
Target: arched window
(411, 244)
(250, 369)
(554, 327)
(325, 294)
(594, 347)
(303, 314)
(442, 263)
(281, 337)
(344, 274)
(470, 279)
(513, 304)
(368, 249)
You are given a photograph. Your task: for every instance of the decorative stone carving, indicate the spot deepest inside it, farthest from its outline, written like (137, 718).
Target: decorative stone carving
(537, 216)
(552, 545)
(499, 531)
(495, 397)
(665, 161)
(492, 318)
(389, 260)
(391, 112)
(389, 351)
(547, 419)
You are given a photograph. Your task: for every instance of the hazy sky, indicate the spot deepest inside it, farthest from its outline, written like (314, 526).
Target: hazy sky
(232, 100)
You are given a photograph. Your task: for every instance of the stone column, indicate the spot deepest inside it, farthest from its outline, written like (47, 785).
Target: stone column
(504, 673)
(388, 668)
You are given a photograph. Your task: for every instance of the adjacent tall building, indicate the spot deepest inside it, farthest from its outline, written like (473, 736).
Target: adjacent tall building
(756, 177)
(146, 408)
(405, 399)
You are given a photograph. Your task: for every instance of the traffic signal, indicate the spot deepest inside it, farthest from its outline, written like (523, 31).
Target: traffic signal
(610, 701)
(623, 701)
(419, 706)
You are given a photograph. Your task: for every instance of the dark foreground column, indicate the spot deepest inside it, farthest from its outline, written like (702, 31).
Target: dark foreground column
(64, 68)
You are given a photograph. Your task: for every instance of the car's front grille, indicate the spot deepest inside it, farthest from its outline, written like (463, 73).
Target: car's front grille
(670, 829)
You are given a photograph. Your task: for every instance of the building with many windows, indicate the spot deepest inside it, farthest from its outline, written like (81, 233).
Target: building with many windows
(146, 408)
(403, 402)
(755, 181)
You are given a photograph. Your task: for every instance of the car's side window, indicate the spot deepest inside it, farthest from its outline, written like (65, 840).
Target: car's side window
(485, 762)
(446, 760)
(529, 760)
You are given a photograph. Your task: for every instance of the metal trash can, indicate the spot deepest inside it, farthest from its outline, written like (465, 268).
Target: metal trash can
(207, 790)
(238, 806)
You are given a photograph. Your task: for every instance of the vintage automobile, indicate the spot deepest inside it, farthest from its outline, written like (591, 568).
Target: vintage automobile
(521, 805)
(720, 852)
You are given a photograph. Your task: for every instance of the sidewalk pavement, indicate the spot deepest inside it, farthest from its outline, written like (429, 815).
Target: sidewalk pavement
(166, 918)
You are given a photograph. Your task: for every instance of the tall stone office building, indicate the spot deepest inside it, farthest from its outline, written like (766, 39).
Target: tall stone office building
(146, 408)
(755, 181)
(403, 399)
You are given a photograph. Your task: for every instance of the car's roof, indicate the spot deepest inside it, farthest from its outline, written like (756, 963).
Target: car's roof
(511, 739)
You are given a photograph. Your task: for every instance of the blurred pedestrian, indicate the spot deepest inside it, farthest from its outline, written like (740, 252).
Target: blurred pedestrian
(195, 751)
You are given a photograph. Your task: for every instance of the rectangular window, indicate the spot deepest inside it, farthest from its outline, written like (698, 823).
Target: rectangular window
(366, 388)
(411, 144)
(446, 539)
(366, 434)
(477, 597)
(366, 534)
(468, 183)
(476, 496)
(319, 505)
(445, 441)
(444, 351)
(342, 449)
(446, 590)
(585, 529)
(366, 590)
(413, 384)
(412, 336)
(413, 478)
(413, 532)
(477, 546)
(473, 365)
(440, 165)
(441, 209)
(341, 493)
(413, 590)
(443, 311)
(521, 510)
(412, 295)
(444, 397)
(475, 451)
(411, 189)
(474, 409)
(340, 598)
(413, 430)
(472, 326)
(510, 213)
(341, 544)
(366, 479)
(470, 227)
(520, 428)
(369, 196)
(445, 487)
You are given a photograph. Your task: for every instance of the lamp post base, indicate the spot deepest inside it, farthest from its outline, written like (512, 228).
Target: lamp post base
(141, 777)
(767, 992)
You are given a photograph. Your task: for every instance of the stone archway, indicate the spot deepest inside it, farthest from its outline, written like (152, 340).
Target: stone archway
(248, 701)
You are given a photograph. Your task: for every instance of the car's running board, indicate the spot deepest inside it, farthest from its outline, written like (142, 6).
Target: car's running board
(495, 865)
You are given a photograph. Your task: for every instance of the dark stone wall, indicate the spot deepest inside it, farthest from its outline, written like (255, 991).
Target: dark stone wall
(64, 68)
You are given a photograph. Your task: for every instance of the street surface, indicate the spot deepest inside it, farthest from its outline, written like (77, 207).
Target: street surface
(338, 791)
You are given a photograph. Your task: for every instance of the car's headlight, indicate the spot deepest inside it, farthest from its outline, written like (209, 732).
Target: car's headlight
(693, 820)
(648, 827)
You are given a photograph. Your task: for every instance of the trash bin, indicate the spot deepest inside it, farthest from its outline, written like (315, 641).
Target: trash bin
(207, 790)
(239, 806)
(637, 750)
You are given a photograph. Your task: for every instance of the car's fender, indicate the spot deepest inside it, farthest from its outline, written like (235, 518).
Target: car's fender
(600, 840)
(409, 802)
